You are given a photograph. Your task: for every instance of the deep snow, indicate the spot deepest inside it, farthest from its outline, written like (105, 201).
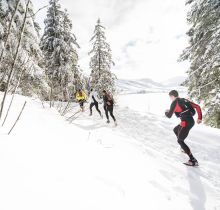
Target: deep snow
(49, 164)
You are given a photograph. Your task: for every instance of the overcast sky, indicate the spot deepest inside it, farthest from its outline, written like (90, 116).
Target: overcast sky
(146, 36)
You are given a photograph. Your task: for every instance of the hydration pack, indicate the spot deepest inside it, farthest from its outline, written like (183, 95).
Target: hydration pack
(187, 108)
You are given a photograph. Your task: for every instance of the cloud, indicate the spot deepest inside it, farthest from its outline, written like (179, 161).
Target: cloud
(146, 36)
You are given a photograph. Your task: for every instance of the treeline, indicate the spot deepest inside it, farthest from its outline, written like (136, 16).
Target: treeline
(48, 67)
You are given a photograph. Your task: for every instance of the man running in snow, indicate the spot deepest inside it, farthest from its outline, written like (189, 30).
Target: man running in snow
(185, 110)
(108, 106)
(81, 98)
(94, 101)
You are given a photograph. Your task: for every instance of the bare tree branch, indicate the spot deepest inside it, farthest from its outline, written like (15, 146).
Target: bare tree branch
(12, 99)
(18, 117)
(38, 11)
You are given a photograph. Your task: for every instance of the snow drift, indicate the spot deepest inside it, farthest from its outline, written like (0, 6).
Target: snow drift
(47, 163)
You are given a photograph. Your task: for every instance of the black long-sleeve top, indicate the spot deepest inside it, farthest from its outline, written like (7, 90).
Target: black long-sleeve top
(176, 107)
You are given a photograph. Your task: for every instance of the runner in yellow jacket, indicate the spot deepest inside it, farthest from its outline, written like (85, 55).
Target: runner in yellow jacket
(81, 98)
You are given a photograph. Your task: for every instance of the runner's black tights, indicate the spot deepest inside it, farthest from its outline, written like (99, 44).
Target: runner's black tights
(182, 133)
(109, 109)
(96, 106)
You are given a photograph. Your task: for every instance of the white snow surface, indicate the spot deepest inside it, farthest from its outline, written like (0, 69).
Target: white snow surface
(49, 164)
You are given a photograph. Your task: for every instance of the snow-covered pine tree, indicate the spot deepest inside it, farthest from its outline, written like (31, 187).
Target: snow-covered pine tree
(59, 48)
(1, 11)
(74, 74)
(2, 31)
(29, 59)
(101, 62)
(203, 53)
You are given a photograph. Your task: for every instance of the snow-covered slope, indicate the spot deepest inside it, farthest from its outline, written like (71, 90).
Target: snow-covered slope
(175, 81)
(49, 164)
(144, 86)
(137, 86)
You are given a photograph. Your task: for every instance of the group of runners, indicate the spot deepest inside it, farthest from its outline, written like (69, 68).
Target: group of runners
(94, 100)
(181, 107)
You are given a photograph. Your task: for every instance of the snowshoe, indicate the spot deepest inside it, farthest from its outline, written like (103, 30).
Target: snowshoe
(192, 163)
(108, 121)
(116, 124)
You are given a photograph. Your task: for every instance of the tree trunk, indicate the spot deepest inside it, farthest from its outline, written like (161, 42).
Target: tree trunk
(12, 99)
(99, 64)
(51, 95)
(218, 120)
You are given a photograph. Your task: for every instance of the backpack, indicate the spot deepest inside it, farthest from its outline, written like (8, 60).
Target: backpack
(110, 98)
(187, 108)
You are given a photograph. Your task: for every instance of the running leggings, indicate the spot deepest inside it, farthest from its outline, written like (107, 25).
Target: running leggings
(109, 109)
(182, 131)
(81, 103)
(96, 106)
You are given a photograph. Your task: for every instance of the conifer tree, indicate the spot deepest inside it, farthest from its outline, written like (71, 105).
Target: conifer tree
(203, 53)
(101, 62)
(29, 58)
(59, 48)
(20, 53)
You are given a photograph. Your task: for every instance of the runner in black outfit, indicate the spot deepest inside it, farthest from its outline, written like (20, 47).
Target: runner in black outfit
(108, 106)
(185, 110)
(94, 101)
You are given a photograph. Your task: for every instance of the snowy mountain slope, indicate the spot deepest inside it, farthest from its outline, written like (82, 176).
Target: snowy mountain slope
(47, 163)
(144, 86)
(175, 81)
(132, 86)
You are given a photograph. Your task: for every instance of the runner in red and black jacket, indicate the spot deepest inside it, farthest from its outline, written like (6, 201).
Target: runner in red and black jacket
(185, 110)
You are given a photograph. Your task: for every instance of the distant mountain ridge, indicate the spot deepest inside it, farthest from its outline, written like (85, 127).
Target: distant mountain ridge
(175, 81)
(146, 85)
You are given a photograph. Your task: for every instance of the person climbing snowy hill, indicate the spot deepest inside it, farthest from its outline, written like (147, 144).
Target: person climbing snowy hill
(184, 110)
